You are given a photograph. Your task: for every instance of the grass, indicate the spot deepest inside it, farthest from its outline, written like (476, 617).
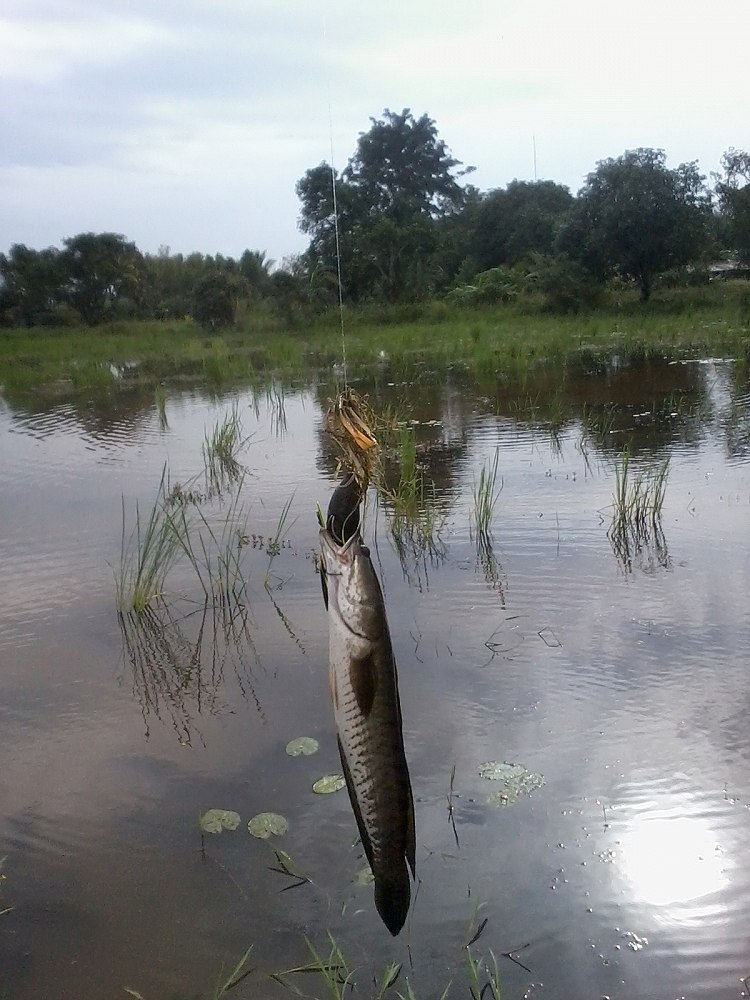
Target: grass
(221, 446)
(505, 339)
(339, 980)
(486, 493)
(636, 529)
(178, 528)
(147, 554)
(639, 497)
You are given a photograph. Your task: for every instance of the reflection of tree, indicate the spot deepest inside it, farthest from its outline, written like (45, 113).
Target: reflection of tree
(179, 665)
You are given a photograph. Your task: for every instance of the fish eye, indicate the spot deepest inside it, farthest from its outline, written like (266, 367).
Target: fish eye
(365, 550)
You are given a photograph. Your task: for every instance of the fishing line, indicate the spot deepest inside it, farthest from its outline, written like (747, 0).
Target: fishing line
(335, 208)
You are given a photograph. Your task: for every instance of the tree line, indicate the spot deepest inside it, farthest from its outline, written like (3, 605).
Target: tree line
(399, 223)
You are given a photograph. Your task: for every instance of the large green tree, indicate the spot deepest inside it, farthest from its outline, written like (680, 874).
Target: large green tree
(102, 270)
(733, 190)
(636, 217)
(32, 284)
(400, 180)
(515, 222)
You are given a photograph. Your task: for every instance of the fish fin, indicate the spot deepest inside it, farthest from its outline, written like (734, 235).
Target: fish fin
(351, 789)
(334, 689)
(364, 682)
(392, 896)
(411, 833)
(324, 585)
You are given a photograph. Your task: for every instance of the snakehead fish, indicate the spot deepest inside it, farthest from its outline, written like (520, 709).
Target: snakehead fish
(364, 689)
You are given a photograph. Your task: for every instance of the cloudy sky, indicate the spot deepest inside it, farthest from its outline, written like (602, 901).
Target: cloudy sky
(187, 124)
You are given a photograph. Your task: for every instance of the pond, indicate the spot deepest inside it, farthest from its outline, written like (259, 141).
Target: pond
(609, 669)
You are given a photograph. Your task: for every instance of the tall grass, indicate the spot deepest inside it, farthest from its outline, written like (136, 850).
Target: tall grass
(147, 554)
(213, 547)
(177, 528)
(486, 493)
(639, 497)
(221, 446)
(482, 980)
(638, 500)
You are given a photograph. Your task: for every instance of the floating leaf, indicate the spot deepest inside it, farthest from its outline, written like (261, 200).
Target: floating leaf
(304, 745)
(216, 820)
(364, 876)
(329, 783)
(265, 824)
(517, 780)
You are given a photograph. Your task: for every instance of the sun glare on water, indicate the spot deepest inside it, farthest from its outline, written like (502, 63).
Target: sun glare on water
(672, 860)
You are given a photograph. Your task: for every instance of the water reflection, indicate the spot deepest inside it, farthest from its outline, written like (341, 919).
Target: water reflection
(179, 665)
(672, 857)
(589, 673)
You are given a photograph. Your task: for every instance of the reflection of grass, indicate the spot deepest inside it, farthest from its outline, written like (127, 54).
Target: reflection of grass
(178, 673)
(414, 518)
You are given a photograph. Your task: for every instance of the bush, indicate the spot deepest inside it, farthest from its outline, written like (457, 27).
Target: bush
(684, 277)
(566, 286)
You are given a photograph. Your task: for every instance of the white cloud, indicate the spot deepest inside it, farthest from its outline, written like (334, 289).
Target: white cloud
(233, 97)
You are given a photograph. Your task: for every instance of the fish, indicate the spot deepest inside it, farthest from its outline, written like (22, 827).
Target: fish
(367, 711)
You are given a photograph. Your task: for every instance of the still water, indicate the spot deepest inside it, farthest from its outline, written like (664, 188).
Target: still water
(618, 675)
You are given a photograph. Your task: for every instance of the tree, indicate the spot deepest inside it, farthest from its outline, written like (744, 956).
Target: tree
(636, 217)
(401, 179)
(215, 299)
(32, 284)
(733, 191)
(101, 271)
(518, 221)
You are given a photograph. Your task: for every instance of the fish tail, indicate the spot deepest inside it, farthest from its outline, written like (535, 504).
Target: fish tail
(392, 896)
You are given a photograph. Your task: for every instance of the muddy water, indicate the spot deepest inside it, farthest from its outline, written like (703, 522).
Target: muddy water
(619, 675)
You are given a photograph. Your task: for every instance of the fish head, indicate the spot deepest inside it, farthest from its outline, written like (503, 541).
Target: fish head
(354, 593)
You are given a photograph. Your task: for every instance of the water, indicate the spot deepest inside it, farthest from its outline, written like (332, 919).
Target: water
(623, 681)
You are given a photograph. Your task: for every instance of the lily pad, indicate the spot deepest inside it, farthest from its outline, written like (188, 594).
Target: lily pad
(216, 820)
(329, 783)
(304, 745)
(265, 825)
(517, 780)
(364, 876)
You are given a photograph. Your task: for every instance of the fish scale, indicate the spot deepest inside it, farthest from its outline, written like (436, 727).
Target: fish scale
(367, 711)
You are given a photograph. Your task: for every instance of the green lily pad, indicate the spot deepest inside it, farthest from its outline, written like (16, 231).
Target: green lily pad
(304, 745)
(216, 820)
(364, 876)
(329, 783)
(265, 825)
(517, 780)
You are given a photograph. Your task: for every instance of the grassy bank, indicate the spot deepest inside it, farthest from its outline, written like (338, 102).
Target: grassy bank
(713, 320)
